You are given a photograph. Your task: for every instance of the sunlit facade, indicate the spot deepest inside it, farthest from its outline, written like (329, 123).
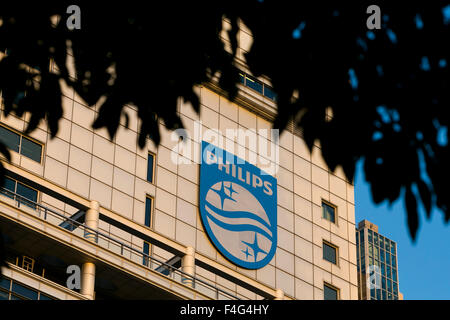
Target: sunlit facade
(377, 264)
(129, 217)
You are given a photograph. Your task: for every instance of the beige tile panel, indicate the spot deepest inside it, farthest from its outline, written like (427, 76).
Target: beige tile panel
(284, 261)
(285, 282)
(55, 171)
(80, 160)
(165, 224)
(78, 182)
(303, 290)
(304, 270)
(102, 170)
(304, 249)
(58, 149)
(82, 138)
(302, 207)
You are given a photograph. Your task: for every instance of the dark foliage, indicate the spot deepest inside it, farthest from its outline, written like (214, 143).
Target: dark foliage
(388, 89)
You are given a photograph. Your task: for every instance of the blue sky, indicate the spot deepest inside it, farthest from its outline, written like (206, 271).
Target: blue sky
(424, 266)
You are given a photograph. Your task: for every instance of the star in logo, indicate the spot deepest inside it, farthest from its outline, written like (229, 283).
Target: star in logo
(231, 190)
(246, 253)
(223, 196)
(254, 246)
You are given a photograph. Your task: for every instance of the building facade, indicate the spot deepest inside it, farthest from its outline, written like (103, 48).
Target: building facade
(377, 264)
(128, 220)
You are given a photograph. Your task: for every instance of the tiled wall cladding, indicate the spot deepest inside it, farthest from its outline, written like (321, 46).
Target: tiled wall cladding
(85, 162)
(114, 173)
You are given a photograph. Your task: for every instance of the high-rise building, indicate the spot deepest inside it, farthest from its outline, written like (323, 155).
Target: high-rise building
(84, 217)
(377, 264)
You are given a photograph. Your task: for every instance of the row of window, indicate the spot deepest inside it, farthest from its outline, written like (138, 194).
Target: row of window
(384, 257)
(379, 241)
(29, 148)
(11, 186)
(378, 294)
(329, 211)
(258, 86)
(21, 144)
(13, 290)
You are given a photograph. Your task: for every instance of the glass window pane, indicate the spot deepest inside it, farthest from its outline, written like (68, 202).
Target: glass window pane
(329, 253)
(389, 285)
(384, 295)
(23, 291)
(395, 288)
(375, 253)
(45, 297)
(388, 258)
(148, 211)
(378, 294)
(375, 238)
(146, 250)
(241, 78)
(254, 84)
(269, 93)
(381, 241)
(361, 236)
(31, 149)
(393, 248)
(150, 167)
(328, 212)
(10, 139)
(10, 185)
(329, 293)
(4, 295)
(5, 283)
(370, 236)
(394, 274)
(27, 193)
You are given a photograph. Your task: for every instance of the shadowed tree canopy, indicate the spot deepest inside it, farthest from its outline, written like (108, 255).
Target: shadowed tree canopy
(387, 88)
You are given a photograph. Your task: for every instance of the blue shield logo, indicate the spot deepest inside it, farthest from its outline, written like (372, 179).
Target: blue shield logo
(238, 207)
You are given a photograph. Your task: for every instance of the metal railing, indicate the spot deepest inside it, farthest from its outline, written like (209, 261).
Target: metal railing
(122, 248)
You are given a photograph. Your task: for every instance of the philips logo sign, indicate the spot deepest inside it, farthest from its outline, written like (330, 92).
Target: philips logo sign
(238, 207)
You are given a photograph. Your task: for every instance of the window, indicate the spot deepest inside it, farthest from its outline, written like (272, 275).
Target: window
(27, 263)
(26, 193)
(150, 167)
(330, 292)
(21, 144)
(393, 247)
(24, 292)
(254, 84)
(268, 92)
(148, 211)
(257, 85)
(10, 139)
(146, 250)
(13, 290)
(330, 253)
(328, 212)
